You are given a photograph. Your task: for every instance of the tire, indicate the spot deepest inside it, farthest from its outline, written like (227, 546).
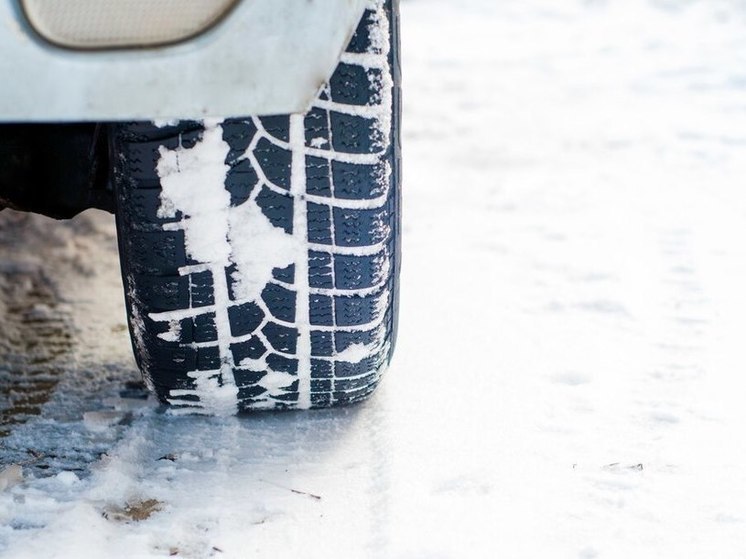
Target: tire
(260, 256)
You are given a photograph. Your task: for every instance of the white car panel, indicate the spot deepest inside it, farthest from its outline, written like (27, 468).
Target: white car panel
(266, 57)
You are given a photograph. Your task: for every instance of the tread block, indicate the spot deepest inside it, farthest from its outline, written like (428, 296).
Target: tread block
(162, 293)
(318, 181)
(321, 369)
(355, 134)
(208, 359)
(282, 364)
(245, 378)
(359, 383)
(241, 181)
(321, 399)
(319, 224)
(321, 385)
(321, 310)
(175, 358)
(250, 394)
(356, 311)
(201, 292)
(290, 396)
(343, 369)
(238, 133)
(203, 328)
(245, 318)
(360, 227)
(251, 349)
(351, 396)
(280, 337)
(277, 126)
(158, 252)
(358, 272)
(320, 273)
(344, 340)
(354, 85)
(280, 302)
(144, 205)
(359, 182)
(361, 40)
(286, 274)
(275, 163)
(322, 343)
(317, 128)
(277, 207)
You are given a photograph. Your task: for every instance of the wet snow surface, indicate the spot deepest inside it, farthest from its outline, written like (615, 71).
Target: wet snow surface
(569, 378)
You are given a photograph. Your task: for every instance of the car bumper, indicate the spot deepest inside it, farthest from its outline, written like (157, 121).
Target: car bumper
(266, 57)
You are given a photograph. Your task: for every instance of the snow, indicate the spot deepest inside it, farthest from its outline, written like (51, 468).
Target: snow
(569, 373)
(259, 247)
(192, 182)
(174, 332)
(355, 353)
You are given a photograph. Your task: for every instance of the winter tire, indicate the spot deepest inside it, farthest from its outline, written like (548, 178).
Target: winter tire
(260, 256)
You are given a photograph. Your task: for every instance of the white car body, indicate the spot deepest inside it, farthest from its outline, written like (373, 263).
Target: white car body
(265, 57)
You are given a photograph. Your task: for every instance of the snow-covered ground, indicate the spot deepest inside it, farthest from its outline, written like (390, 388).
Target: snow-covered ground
(569, 377)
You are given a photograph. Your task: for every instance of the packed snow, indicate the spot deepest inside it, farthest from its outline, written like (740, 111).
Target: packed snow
(568, 378)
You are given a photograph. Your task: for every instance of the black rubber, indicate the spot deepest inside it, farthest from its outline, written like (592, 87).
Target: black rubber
(58, 170)
(351, 205)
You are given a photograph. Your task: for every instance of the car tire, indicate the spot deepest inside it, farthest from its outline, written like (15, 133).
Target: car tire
(260, 255)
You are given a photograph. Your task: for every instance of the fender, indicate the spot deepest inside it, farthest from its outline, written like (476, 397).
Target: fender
(264, 57)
